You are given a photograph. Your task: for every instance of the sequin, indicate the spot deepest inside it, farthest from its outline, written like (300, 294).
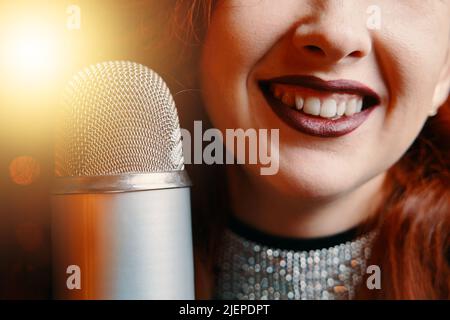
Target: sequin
(249, 270)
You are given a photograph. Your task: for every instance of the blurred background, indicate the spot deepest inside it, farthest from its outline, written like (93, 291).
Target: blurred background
(42, 44)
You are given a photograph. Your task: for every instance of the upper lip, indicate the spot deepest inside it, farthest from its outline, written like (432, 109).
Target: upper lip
(335, 86)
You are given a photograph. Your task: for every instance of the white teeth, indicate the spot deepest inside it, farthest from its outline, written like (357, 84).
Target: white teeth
(325, 108)
(328, 109)
(341, 108)
(299, 103)
(312, 106)
(359, 105)
(288, 100)
(351, 108)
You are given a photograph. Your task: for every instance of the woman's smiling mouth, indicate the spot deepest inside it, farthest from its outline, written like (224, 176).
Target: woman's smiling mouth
(317, 107)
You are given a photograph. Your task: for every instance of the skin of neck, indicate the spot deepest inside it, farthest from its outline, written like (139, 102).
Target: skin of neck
(271, 212)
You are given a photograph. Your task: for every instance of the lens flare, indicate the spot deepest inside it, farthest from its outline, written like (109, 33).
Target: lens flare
(30, 50)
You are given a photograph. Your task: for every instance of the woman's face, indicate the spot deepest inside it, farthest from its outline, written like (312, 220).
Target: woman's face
(349, 84)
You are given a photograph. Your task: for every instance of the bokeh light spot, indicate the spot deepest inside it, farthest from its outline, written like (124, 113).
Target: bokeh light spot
(24, 170)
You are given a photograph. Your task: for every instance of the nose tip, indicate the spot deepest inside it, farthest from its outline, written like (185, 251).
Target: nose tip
(332, 45)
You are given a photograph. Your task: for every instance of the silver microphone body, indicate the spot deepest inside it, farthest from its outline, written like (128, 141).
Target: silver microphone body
(128, 245)
(121, 219)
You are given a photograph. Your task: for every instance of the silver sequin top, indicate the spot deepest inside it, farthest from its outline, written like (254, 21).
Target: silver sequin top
(259, 270)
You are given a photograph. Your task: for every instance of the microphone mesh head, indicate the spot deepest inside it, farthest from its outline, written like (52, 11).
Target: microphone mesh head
(117, 118)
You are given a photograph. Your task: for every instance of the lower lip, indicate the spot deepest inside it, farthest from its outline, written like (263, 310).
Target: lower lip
(317, 126)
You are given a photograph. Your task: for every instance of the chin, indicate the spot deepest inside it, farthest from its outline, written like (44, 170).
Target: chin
(310, 181)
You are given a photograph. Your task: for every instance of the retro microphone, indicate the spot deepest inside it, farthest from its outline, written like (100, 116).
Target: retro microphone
(121, 219)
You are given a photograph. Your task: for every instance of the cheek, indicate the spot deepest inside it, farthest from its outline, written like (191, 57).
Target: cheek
(412, 56)
(232, 45)
(412, 67)
(246, 29)
(236, 40)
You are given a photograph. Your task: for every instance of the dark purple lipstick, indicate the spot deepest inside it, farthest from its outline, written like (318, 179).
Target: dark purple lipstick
(316, 125)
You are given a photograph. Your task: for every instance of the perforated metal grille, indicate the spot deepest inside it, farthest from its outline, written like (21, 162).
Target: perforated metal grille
(117, 117)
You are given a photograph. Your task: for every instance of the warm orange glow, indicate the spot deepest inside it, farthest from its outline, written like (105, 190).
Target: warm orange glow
(24, 170)
(30, 50)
